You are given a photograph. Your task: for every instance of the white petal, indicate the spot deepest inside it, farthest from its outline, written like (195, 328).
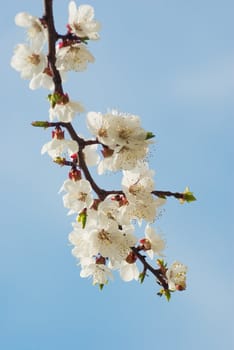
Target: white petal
(129, 272)
(86, 13)
(72, 11)
(23, 19)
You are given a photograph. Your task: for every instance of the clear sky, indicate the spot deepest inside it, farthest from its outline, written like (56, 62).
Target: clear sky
(172, 63)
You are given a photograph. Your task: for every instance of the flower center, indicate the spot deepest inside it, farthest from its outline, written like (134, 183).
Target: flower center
(102, 132)
(124, 133)
(34, 59)
(104, 236)
(82, 196)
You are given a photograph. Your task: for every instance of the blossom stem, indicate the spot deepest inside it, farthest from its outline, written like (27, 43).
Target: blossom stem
(156, 272)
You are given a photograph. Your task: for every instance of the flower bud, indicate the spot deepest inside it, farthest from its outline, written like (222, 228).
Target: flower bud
(100, 260)
(107, 152)
(74, 156)
(40, 124)
(58, 133)
(74, 174)
(181, 287)
(131, 258)
(146, 245)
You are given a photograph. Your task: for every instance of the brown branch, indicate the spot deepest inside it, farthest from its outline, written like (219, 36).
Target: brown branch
(163, 194)
(156, 272)
(52, 38)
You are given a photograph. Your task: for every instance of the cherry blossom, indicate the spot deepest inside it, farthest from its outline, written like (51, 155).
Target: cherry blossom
(100, 273)
(78, 195)
(73, 57)
(28, 61)
(37, 33)
(153, 242)
(176, 275)
(65, 112)
(57, 148)
(81, 21)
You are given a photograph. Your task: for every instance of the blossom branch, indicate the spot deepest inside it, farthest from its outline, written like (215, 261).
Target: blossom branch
(107, 222)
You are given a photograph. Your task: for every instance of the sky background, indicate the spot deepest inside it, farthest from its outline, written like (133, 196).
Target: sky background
(172, 63)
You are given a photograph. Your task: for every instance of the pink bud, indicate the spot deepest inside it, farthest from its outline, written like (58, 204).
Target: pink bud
(74, 175)
(58, 133)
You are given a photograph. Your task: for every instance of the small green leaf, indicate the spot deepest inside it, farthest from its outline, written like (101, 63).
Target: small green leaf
(167, 294)
(59, 160)
(101, 286)
(188, 196)
(55, 98)
(149, 135)
(142, 277)
(82, 218)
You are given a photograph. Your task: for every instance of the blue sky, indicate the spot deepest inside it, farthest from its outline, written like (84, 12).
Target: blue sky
(172, 63)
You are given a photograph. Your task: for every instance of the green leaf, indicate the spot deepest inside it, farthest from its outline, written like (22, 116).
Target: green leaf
(59, 160)
(101, 286)
(82, 218)
(167, 294)
(162, 263)
(188, 196)
(142, 277)
(55, 98)
(149, 135)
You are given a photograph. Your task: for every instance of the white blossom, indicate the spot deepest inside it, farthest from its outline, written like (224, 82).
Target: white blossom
(98, 124)
(37, 33)
(154, 242)
(45, 80)
(73, 57)
(57, 148)
(100, 273)
(79, 239)
(137, 186)
(176, 276)
(28, 61)
(105, 238)
(110, 209)
(116, 129)
(123, 135)
(125, 130)
(81, 21)
(78, 195)
(139, 180)
(65, 112)
(126, 157)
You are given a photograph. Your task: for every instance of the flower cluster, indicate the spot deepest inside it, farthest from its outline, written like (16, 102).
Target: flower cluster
(105, 231)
